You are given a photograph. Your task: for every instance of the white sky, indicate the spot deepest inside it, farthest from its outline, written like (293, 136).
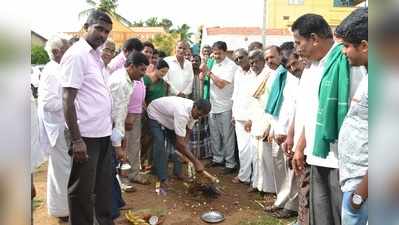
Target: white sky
(51, 16)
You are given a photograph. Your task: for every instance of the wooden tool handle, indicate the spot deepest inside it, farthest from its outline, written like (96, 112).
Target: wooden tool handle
(207, 174)
(211, 177)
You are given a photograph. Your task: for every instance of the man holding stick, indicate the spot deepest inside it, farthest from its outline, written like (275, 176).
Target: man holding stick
(171, 117)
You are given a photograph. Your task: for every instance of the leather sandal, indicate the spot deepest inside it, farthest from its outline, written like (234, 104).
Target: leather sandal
(285, 214)
(272, 208)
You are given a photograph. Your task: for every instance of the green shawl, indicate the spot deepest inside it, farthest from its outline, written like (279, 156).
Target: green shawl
(333, 101)
(276, 94)
(207, 79)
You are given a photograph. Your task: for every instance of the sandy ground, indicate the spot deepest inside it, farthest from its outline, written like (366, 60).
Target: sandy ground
(181, 206)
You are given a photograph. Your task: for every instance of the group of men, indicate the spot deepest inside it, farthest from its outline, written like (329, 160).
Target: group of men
(90, 109)
(300, 112)
(296, 113)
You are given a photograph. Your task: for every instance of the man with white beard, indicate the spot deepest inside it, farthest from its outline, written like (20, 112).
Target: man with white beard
(51, 129)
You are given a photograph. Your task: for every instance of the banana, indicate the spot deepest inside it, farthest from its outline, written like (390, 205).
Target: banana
(135, 219)
(131, 217)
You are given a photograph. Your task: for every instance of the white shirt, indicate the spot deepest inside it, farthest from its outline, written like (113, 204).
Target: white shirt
(243, 90)
(221, 98)
(173, 113)
(179, 79)
(50, 107)
(280, 124)
(121, 87)
(309, 104)
(35, 77)
(260, 119)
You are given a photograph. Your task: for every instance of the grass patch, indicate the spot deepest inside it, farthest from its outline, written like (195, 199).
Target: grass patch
(266, 220)
(36, 203)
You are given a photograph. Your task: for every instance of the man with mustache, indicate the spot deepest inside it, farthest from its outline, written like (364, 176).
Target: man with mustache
(326, 87)
(221, 90)
(87, 108)
(243, 82)
(258, 125)
(180, 75)
(130, 45)
(295, 65)
(280, 106)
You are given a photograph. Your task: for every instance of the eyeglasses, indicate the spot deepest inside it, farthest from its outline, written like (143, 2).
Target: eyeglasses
(238, 58)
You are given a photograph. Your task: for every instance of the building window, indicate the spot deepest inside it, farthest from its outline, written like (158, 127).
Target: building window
(343, 3)
(295, 2)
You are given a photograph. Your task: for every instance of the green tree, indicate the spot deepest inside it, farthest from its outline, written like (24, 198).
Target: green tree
(166, 24)
(38, 55)
(138, 23)
(165, 42)
(200, 33)
(152, 22)
(184, 32)
(108, 6)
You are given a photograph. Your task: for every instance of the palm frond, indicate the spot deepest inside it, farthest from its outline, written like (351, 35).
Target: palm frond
(122, 19)
(85, 13)
(91, 3)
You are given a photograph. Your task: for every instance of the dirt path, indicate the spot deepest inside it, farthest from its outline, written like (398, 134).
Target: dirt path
(181, 207)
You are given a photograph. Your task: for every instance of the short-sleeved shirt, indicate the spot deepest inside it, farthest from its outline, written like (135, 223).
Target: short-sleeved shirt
(353, 141)
(221, 99)
(311, 78)
(173, 113)
(82, 68)
(180, 79)
(154, 90)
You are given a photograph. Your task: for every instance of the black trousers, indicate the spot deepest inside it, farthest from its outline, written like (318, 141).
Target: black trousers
(325, 196)
(90, 185)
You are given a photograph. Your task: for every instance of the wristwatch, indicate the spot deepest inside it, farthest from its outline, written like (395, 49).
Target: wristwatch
(357, 199)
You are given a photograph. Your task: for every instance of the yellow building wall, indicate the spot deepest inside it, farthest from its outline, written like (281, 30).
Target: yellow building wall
(276, 10)
(37, 41)
(120, 33)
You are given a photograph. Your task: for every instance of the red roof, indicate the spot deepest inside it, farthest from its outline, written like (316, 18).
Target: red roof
(244, 31)
(234, 30)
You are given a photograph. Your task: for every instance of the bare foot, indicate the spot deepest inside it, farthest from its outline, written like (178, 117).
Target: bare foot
(165, 185)
(236, 180)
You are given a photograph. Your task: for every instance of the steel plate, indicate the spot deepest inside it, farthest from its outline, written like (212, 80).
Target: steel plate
(212, 217)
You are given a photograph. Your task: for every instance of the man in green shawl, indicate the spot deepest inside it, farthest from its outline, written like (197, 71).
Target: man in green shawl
(328, 82)
(280, 106)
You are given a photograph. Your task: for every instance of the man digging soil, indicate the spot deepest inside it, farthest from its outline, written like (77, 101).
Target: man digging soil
(172, 118)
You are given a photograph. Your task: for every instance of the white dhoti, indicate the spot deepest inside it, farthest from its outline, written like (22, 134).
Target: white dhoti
(52, 139)
(38, 155)
(59, 168)
(285, 181)
(245, 152)
(262, 163)
(263, 176)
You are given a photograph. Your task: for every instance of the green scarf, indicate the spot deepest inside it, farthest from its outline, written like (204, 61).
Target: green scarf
(333, 101)
(276, 94)
(207, 79)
